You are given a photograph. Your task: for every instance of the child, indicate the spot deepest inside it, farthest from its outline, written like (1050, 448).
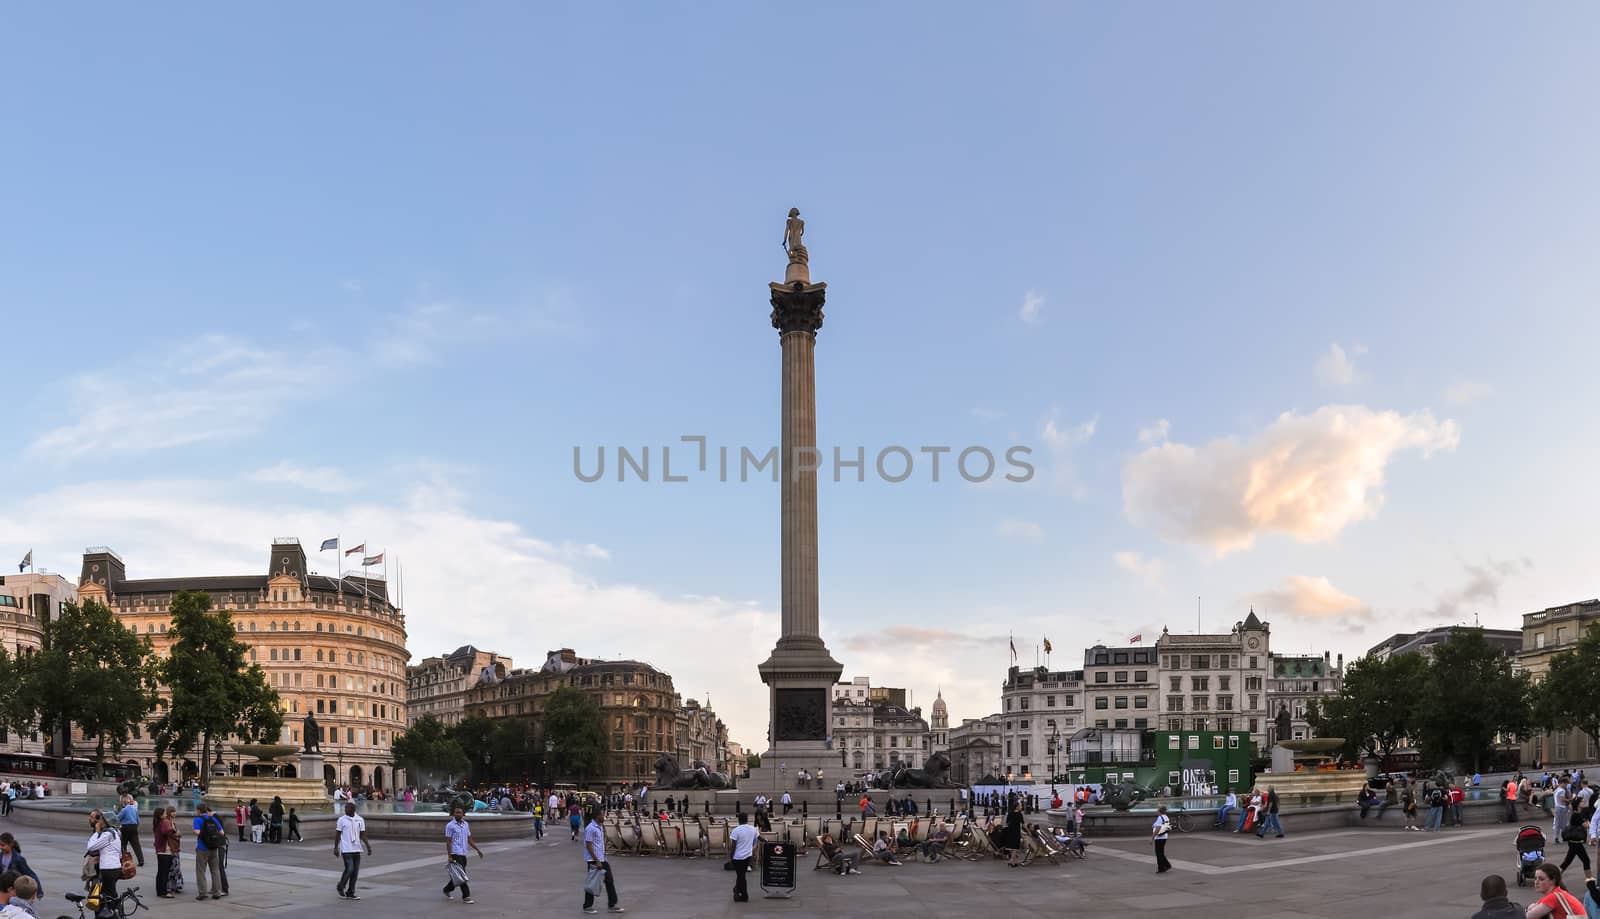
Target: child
(24, 894)
(294, 827)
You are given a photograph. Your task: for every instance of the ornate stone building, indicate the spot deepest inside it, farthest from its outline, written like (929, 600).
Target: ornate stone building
(1295, 680)
(939, 741)
(975, 750)
(27, 601)
(637, 701)
(1217, 682)
(700, 736)
(1041, 708)
(1546, 633)
(874, 729)
(439, 685)
(335, 647)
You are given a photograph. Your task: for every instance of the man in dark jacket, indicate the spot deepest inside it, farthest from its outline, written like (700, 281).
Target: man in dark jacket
(1496, 905)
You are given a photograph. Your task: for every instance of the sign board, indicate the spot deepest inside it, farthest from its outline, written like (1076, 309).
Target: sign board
(78, 788)
(777, 869)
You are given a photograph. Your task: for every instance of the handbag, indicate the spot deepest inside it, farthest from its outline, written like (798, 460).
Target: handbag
(595, 882)
(129, 870)
(458, 873)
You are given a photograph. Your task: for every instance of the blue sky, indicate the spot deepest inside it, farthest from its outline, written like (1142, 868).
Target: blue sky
(1295, 308)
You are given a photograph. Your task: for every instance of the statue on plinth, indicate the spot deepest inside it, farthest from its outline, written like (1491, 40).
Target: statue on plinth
(669, 775)
(793, 229)
(312, 734)
(933, 774)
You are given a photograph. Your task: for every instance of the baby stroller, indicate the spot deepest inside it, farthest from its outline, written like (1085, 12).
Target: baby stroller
(1530, 852)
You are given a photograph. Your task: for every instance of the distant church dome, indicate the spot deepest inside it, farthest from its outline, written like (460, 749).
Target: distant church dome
(941, 714)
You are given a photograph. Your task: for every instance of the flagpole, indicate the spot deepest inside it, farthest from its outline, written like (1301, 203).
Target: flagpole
(338, 559)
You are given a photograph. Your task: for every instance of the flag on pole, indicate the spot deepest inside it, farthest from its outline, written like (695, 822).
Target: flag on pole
(372, 560)
(1013, 650)
(357, 549)
(1136, 639)
(1047, 645)
(26, 561)
(329, 544)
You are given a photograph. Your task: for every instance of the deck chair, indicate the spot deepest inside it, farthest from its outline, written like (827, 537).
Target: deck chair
(1045, 843)
(649, 838)
(672, 837)
(613, 834)
(812, 829)
(869, 827)
(694, 838)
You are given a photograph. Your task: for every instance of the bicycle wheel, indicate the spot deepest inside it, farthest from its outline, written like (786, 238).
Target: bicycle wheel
(1183, 821)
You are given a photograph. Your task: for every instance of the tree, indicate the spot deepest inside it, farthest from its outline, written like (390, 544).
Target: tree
(575, 726)
(1569, 695)
(214, 690)
(427, 749)
(1473, 697)
(92, 672)
(1377, 707)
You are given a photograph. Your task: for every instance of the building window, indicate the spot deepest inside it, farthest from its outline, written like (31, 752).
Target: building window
(1122, 676)
(1538, 640)
(1255, 725)
(1222, 683)
(1101, 677)
(1049, 701)
(1122, 702)
(1024, 703)
(1101, 703)
(1141, 701)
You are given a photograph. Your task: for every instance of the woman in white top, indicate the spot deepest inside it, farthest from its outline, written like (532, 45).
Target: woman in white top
(106, 843)
(1158, 834)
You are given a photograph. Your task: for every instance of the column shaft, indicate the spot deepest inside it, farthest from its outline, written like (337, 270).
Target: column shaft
(799, 485)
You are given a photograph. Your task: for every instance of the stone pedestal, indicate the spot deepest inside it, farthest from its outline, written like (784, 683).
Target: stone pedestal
(1282, 759)
(311, 766)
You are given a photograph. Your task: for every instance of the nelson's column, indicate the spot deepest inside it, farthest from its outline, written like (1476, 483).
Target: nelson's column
(800, 673)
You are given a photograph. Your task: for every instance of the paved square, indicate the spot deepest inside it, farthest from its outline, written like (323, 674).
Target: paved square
(1334, 874)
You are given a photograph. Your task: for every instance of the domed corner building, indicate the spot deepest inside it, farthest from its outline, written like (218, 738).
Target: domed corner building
(334, 647)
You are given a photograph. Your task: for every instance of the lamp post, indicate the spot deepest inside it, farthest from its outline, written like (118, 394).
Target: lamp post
(1055, 750)
(544, 766)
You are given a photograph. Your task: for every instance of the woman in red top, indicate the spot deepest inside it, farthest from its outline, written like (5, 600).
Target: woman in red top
(1553, 900)
(166, 839)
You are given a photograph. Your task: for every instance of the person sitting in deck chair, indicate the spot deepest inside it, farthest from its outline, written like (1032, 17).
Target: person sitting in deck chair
(933, 849)
(884, 850)
(841, 861)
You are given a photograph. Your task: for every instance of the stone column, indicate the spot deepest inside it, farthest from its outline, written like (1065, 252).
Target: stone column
(800, 672)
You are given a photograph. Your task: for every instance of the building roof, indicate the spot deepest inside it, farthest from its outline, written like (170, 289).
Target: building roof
(1252, 621)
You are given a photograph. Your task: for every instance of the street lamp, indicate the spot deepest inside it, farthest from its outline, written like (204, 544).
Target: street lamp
(1055, 750)
(544, 765)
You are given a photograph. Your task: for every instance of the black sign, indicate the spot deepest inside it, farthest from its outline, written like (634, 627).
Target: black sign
(777, 865)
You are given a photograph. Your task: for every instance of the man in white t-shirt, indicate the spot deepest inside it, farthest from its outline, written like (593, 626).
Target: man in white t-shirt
(349, 840)
(594, 859)
(1158, 834)
(743, 840)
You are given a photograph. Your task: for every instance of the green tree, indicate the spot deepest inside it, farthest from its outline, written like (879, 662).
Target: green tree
(427, 749)
(752, 761)
(92, 673)
(214, 690)
(575, 726)
(1569, 695)
(1378, 705)
(1473, 697)
(475, 736)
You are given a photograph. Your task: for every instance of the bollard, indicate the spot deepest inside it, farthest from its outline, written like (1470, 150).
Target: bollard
(805, 809)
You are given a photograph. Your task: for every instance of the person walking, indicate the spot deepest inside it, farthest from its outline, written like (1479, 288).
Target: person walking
(165, 837)
(1576, 836)
(1408, 806)
(128, 824)
(210, 840)
(349, 838)
(458, 838)
(241, 818)
(743, 839)
(1561, 810)
(1158, 835)
(275, 814)
(575, 818)
(106, 844)
(598, 870)
(1272, 822)
(294, 827)
(538, 820)
(787, 803)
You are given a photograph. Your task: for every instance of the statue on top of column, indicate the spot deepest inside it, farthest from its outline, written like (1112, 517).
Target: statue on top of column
(793, 229)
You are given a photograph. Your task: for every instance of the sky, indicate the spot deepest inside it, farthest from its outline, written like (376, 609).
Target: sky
(1293, 308)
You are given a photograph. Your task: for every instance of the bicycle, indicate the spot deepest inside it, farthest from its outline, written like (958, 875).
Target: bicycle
(118, 908)
(1180, 818)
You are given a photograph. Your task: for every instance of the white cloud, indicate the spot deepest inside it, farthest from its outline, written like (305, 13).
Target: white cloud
(1062, 443)
(1031, 302)
(468, 578)
(209, 389)
(417, 335)
(1020, 529)
(320, 478)
(1155, 433)
(1310, 598)
(929, 659)
(1466, 392)
(1337, 368)
(1149, 570)
(1309, 476)
(1481, 588)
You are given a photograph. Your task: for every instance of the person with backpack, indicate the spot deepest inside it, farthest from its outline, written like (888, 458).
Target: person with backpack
(1436, 801)
(210, 842)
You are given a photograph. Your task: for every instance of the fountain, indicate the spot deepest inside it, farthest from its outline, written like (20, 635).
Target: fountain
(301, 791)
(1299, 773)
